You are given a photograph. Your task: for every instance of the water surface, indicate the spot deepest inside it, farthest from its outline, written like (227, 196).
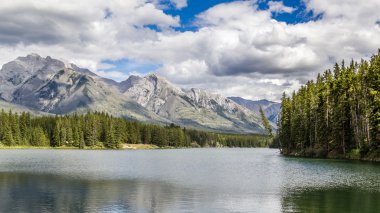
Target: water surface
(188, 180)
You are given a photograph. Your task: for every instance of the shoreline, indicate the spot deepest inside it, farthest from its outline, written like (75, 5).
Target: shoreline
(334, 157)
(124, 147)
(155, 147)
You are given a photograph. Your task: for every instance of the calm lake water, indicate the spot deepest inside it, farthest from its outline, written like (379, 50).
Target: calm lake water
(183, 180)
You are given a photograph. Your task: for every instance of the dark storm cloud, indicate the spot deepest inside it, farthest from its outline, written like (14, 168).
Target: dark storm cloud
(245, 64)
(29, 25)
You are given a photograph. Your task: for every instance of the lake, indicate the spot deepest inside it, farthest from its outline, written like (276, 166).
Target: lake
(183, 180)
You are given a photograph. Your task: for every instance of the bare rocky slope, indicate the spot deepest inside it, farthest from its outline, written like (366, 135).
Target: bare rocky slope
(194, 107)
(53, 86)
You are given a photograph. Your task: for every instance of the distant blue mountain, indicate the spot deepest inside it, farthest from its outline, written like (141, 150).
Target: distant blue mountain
(270, 108)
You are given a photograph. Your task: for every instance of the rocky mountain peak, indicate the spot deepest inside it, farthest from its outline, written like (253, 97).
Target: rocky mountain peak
(32, 56)
(156, 79)
(152, 76)
(129, 82)
(134, 77)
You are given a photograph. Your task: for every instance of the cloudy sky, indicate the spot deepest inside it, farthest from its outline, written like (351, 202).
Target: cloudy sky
(254, 49)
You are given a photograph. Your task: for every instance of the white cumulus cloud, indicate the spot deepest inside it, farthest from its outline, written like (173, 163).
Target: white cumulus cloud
(236, 44)
(279, 7)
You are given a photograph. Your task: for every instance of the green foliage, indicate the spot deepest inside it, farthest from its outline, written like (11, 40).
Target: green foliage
(338, 114)
(99, 130)
(265, 122)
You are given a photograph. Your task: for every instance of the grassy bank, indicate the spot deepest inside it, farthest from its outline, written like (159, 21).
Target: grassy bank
(139, 146)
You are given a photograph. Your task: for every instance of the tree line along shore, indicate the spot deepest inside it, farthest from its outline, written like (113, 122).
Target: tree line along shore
(99, 130)
(336, 116)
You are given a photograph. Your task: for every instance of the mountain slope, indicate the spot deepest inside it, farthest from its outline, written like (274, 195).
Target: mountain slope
(6, 106)
(50, 85)
(271, 109)
(53, 86)
(193, 107)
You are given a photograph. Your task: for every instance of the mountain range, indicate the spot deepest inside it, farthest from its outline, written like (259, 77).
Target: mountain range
(50, 86)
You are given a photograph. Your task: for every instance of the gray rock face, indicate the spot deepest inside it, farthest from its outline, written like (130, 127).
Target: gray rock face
(53, 86)
(194, 107)
(50, 85)
(15, 108)
(15, 73)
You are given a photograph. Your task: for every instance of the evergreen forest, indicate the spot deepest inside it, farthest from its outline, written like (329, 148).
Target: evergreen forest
(100, 130)
(336, 116)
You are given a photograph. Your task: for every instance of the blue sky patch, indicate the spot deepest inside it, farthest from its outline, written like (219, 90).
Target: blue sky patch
(129, 66)
(107, 13)
(195, 7)
(299, 15)
(153, 27)
(188, 14)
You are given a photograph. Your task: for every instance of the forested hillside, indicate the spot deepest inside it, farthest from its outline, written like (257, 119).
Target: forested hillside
(338, 115)
(100, 130)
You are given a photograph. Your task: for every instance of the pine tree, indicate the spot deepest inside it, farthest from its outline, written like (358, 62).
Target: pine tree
(57, 133)
(110, 140)
(374, 89)
(8, 136)
(265, 122)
